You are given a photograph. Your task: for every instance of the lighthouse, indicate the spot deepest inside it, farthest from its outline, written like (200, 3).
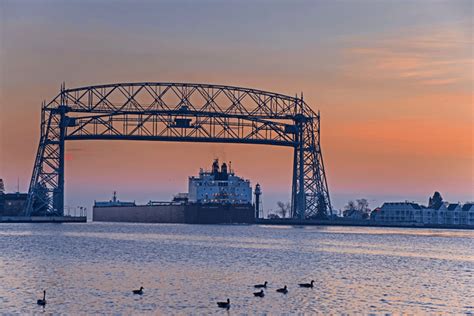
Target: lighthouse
(257, 193)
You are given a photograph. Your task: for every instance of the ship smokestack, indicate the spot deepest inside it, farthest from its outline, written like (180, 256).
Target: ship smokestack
(215, 167)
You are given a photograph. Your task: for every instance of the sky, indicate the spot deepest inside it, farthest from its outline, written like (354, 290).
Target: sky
(393, 81)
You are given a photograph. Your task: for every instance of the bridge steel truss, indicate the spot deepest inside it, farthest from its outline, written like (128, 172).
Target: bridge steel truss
(184, 112)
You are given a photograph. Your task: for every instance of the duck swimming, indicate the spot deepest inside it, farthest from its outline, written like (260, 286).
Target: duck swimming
(224, 304)
(43, 301)
(258, 286)
(307, 284)
(139, 292)
(259, 294)
(283, 290)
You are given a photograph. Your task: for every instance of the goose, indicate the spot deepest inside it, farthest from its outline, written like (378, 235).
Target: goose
(283, 290)
(43, 301)
(224, 304)
(259, 294)
(258, 286)
(307, 284)
(139, 292)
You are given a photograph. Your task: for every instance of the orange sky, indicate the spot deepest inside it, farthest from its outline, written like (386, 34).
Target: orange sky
(395, 90)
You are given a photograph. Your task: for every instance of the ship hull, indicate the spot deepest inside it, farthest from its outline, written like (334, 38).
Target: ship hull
(177, 213)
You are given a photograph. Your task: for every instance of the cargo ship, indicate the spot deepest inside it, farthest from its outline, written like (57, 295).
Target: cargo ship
(216, 196)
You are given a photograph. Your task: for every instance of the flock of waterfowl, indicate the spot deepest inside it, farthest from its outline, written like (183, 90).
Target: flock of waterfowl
(261, 293)
(225, 304)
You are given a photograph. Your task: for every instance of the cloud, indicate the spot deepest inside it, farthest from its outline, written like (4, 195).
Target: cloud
(418, 56)
(439, 81)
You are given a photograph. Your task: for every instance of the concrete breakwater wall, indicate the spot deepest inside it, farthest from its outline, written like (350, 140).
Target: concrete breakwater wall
(345, 222)
(43, 219)
(171, 213)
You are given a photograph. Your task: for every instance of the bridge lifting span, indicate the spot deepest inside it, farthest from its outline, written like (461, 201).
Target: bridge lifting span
(184, 112)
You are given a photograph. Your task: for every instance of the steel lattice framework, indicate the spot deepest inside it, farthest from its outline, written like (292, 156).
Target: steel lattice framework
(184, 112)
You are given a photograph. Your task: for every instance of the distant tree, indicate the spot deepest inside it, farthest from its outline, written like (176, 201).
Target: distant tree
(363, 206)
(349, 208)
(360, 205)
(436, 201)
(322, 208)
(273, 216)
(283, 208)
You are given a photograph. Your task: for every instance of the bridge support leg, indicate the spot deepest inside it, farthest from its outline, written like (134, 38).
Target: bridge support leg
(294, 184)
(58, 195)
(298, 195)
(46, 192)
(301, 206)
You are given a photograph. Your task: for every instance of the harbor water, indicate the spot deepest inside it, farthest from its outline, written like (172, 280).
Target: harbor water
(186, 269)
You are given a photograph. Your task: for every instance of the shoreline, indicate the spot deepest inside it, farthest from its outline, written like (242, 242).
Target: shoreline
(360, 223)
(275, 222)
(43, 219)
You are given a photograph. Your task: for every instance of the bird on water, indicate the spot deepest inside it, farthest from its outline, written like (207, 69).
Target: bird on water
(259, 294)
(283, 290)
(43, 301)
(307, 284)
(224, 304)
(264, 285)
(139, 292)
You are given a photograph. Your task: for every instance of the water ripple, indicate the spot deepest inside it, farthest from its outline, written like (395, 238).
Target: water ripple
(185, 269)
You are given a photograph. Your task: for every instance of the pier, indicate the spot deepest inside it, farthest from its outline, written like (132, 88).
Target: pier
(43, 219)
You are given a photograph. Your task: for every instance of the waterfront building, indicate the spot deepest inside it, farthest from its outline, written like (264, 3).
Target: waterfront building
(429, 215)
(441, 213)
(355, 214)
(467, 214)
(451, 214)
(446, 214)
(398, 212)
(219, 185)
(12, 204)
(375, 213)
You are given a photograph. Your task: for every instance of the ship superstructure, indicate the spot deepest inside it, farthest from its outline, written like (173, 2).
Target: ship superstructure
(220, 185)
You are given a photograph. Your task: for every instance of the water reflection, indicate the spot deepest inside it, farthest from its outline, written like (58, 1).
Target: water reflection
(92, 268)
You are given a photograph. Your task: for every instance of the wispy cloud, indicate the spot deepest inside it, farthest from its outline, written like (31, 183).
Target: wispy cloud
(426, 57)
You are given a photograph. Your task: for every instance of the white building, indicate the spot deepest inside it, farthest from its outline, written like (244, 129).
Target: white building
(398, 212)
(219, 186)
(467, 214)
(408, 212)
